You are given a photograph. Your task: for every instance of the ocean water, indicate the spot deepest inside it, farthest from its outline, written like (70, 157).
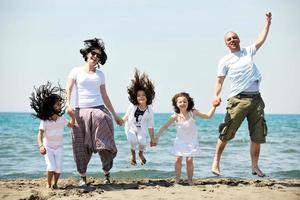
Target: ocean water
(280, 156)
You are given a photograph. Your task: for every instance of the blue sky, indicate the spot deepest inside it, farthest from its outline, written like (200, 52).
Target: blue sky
(178, 43)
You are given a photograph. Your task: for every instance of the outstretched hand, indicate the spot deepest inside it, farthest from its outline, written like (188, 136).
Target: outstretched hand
(269, 17)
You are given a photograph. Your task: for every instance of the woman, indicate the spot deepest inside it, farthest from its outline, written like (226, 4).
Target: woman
(93, 132)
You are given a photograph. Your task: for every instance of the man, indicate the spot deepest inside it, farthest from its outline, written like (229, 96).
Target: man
(244, 99)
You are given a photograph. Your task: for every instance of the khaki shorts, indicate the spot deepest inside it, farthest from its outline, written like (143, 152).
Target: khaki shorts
(238, 108)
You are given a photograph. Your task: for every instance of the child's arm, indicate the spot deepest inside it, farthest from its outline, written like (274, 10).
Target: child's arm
(207, 115)
(152, 138)
(164, 127)
(125, 117)
(40, 142)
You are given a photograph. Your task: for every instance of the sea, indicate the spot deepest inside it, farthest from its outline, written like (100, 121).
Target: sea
(279, 158)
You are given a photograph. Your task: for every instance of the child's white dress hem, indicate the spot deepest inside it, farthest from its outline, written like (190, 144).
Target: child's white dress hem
(186, 142)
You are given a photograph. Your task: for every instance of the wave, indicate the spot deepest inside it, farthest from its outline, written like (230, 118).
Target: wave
(291, 174)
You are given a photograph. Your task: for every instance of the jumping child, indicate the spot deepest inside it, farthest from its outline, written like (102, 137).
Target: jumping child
(186, 142)
(139, 118)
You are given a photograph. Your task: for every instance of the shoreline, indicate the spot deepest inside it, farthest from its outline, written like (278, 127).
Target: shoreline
(221, 188)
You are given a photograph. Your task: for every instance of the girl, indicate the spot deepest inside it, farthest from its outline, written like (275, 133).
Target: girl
(139, 116)
(48, 101)
(186, 141)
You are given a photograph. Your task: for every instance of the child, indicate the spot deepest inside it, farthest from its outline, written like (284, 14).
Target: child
(139, 116)
(48, 101)
(186, 141)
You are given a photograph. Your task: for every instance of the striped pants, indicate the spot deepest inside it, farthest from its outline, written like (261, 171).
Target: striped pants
(93, 133)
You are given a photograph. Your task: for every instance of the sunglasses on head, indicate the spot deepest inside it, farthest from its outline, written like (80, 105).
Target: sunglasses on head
(95, 53)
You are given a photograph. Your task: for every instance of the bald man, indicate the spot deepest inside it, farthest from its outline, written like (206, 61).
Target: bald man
(244, 100)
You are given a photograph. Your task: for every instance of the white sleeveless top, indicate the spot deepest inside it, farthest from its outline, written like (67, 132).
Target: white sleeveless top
(186, 141)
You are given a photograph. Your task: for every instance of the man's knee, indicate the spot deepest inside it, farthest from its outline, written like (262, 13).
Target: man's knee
(259, 131)
(227, 131)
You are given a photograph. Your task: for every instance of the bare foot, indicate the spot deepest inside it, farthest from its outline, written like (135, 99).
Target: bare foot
(215, 169)
(132, 160)
(190, 182)
(177, 180)
(54, 186)
(142, 158)
(258, 172)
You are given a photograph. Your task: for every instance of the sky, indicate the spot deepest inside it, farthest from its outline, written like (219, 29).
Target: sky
(177, 43)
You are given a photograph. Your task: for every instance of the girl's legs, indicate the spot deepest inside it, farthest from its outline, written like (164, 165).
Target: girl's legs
(142, 145)
(178, 164)
(56, 177)
(49, 178)
(190, 169)
(132, 140)
(142, 158)
(132, 157)
(58, 163)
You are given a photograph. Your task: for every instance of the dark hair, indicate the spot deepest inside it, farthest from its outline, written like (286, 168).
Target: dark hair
(42, 101)
(91, 45)
(140, 82)
(187, 96)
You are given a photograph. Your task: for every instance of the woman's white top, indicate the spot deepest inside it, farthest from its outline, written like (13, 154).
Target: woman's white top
(87, 87)
(146, 121)
(186, 141)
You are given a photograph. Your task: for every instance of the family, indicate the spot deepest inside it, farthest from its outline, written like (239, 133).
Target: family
(92, 115)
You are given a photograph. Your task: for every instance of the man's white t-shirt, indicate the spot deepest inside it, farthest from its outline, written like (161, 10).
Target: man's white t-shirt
(241, 70)
(87, 87)
(53, 132)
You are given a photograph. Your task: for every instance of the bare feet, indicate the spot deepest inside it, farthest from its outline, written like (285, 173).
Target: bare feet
(258, 172)
(177, 180)
(142, 158)
(132, 160)
(132, 157)
(54, 186)
(190, 182)
(215, 168)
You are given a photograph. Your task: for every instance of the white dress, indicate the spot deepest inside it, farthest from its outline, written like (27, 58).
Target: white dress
(186, 141)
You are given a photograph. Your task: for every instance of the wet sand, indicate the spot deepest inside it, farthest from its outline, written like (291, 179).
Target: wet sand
(146, 189)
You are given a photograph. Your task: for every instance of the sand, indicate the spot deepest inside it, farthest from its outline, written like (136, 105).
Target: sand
(145, 189)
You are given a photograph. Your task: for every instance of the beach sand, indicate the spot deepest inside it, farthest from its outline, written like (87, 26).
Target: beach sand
(146, 189)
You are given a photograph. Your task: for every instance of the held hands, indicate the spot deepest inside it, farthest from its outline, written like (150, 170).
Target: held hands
(71, 111)
(154, 142)
(42, 150)
(216, 101)
(72, 123)
(119, 120)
